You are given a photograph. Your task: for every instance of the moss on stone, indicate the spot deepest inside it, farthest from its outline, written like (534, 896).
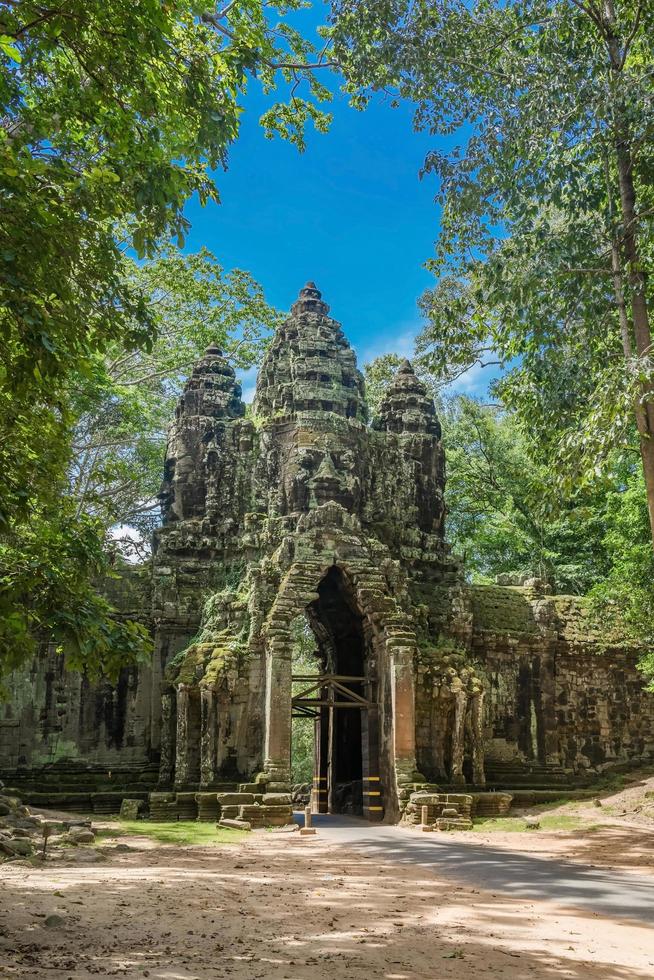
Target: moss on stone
(502, 609)
(207, 664)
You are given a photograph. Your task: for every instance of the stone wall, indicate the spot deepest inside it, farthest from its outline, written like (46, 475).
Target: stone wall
(55, 720)
(564, 690)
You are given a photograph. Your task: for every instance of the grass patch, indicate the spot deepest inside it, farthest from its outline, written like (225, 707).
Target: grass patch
(181, 832)
(508, 824)
(564, 821)
(516, 825)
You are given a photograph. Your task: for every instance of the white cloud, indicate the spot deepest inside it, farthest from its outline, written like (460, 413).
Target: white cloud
(400, 341)
(474, 381)
(248, 380)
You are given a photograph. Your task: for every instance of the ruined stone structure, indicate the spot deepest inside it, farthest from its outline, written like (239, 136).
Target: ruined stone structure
(306, 508)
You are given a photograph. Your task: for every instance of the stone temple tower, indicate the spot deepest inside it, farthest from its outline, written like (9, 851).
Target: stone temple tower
(307, 508)
(306, 511)
(301, 509)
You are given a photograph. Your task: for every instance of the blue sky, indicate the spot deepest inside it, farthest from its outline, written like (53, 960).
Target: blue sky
(350, 213)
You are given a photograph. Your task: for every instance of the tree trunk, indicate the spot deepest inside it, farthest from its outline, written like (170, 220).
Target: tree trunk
(640, 316)
(630, 246)
(644, 431)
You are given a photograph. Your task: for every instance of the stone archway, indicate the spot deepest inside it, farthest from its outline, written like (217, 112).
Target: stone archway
(387, 738)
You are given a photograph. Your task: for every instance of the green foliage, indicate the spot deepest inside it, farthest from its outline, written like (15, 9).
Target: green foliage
(123, 409)
(505, 511)
(113, 112)
(304, 661)
(543, 264)
(47, 570)
(548, 822)
(628, 587)
(543, 98)
(112, 116)
(183, 832)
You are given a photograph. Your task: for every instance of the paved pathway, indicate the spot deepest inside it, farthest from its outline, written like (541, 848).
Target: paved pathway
(515, 874)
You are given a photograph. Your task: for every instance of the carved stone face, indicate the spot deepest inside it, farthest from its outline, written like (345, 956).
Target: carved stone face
(317, 469)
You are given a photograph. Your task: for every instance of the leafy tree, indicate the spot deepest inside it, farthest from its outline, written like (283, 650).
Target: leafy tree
(48, 568)
(505, 513)
(627, 586)
(123, 410)
(546, 245)
(112, 116)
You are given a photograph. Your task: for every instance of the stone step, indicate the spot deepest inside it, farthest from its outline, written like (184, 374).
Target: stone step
(234, 799)
(249, 810)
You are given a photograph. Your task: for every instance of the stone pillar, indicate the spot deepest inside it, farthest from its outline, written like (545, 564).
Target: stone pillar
(477, 732)
(404, 722)
(182, 736)
(373, 799)
(458, 734)
(277, 751)
(168, 726)
(208, 737)
(440, 731)
(320, 759)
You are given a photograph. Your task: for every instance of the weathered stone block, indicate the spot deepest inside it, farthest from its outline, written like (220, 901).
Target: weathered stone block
(130, 809)
(266, 811)
(230, 824)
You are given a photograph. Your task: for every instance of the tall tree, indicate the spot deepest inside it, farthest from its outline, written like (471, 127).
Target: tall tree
(547, 196)
(122, 411)
(504, 514)
(111, 116)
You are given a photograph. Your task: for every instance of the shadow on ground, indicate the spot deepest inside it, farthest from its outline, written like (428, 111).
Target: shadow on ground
(514, 873)
(305, 908)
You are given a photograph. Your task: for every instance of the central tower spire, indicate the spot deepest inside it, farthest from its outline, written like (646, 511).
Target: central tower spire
(310, 366)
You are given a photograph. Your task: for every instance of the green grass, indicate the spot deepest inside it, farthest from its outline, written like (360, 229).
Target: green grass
(557, 821)
(182, 832)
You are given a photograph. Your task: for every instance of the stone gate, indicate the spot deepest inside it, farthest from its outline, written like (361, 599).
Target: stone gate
(306, 507)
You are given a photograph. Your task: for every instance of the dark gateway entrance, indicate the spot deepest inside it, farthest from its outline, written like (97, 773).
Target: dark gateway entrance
(342, 699)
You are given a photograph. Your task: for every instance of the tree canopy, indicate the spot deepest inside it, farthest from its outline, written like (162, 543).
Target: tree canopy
(112, 116)
(546, 187)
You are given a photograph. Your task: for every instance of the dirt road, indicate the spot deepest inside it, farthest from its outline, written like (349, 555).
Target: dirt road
(280, 906)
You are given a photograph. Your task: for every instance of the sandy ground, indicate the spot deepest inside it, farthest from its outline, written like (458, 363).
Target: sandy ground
(620, 833)
(285, 906)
